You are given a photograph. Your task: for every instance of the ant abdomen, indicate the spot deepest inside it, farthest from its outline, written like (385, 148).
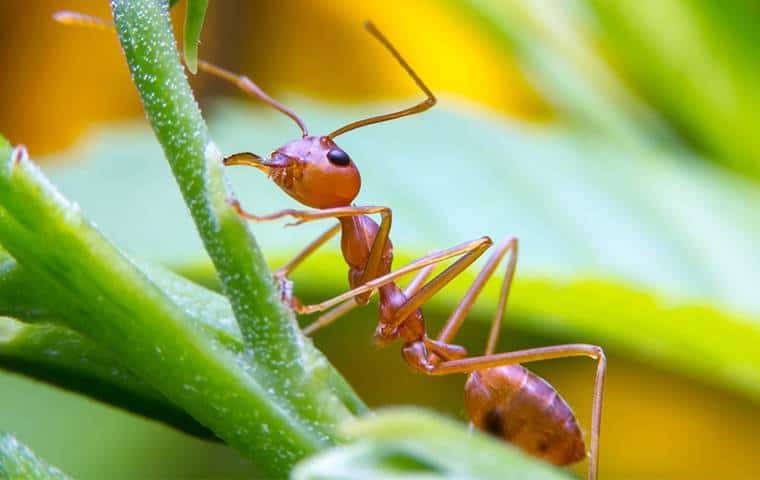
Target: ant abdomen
(512, 403)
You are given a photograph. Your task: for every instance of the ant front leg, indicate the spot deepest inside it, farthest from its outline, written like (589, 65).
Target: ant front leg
(450, 329)
(303, 216)
(281, 274)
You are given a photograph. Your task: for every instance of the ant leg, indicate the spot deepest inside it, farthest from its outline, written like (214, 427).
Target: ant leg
(303, 216)
(308, 250)
(281, 274)
(466, 249)
(418, 280)
(247, 85)
(241, 81)
(82, 20)
(329, 317)
(350, 304)
(435, 285)
(450, 329)
(469, 365)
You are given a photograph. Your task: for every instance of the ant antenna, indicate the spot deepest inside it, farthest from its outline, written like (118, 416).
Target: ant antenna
(247, 85)
(420, 107)
(243, 82)
(82, 20)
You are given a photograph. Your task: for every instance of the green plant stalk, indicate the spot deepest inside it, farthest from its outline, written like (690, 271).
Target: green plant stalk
(62, 357)
(80, 365)
(141, 325)
(18, 462)
(279, 359)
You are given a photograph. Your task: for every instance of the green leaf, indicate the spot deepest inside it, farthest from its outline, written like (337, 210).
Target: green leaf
(618, 247)
(194, 16)
(18, 462)
(554, 46)
(64, 358)
(694, 61)
(55, 354)
(415, 444)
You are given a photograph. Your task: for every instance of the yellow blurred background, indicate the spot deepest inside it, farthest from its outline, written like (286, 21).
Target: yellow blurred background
(312, 47)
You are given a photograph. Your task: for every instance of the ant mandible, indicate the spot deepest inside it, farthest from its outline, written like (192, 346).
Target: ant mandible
(501, 396)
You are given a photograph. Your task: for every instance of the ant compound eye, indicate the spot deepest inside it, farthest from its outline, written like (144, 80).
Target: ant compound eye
(338, 157)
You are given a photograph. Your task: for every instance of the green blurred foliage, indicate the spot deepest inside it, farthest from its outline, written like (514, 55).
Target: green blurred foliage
(697, 62)
(682, 72)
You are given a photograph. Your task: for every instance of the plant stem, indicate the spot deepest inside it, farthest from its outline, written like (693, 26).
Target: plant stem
(269, 330)
(52, 353)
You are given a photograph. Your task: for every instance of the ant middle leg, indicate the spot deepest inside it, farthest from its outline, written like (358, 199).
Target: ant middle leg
(451, 328)
(312, 247)
(281, 274)
(345, 307)
(469, 251)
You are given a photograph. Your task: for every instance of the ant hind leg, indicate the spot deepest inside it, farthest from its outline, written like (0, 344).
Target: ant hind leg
(472, 364)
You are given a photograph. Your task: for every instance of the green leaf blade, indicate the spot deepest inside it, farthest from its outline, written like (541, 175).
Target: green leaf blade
(194, 16)
(408, 443)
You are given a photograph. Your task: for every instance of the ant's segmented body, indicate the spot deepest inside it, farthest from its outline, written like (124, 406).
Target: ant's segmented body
(501, 396)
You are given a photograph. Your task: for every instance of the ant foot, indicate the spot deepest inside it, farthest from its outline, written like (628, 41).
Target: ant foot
(235, 204)
(285, 285)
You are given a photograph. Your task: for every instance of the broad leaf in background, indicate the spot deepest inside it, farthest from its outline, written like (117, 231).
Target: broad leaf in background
(694, 60)
(697, 62)
(650, 219)
(599, 227)
(554, 44)
(413, 444)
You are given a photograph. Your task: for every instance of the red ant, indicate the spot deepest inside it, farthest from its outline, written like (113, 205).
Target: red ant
(501, 396)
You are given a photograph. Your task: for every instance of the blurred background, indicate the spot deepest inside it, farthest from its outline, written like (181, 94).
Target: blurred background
(625, 139)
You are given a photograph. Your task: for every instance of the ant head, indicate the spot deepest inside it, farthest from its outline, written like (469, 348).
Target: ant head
(314, 170)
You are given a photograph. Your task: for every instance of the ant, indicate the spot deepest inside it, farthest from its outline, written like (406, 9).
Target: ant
(501, 396)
